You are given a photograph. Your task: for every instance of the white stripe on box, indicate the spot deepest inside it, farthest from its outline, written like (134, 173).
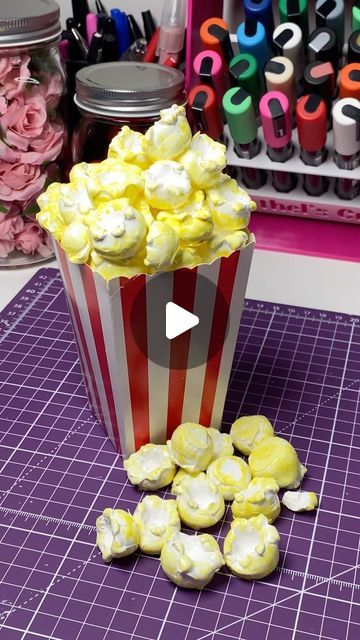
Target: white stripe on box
(195, 377)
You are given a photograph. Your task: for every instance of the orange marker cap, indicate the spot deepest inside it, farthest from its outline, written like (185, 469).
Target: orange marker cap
(349, 81)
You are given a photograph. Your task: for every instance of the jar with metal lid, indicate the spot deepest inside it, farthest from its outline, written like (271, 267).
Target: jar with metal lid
(120, 93)
(32, 132)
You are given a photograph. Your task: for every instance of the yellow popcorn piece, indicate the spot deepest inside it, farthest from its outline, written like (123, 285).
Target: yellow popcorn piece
(223, 244)
(75, 241)
(300, 500)
(222, 443)
(117, 230)
(150, 468)
(170, 136)
(117, 534)
(129, 146)
(74, 203)
(167, 184)
(191, 561)
(187, 257)
(51, 220)
(192, 222)
(230, 474)
(179, 477)
(248, 431)
(117, 179)
(199, 501)
(84, 175)
(204, 161)
(191, 447)
(260, 496)
(276, 458)
(161, 246)
(157, 520)
(251, 548)
(230, 205)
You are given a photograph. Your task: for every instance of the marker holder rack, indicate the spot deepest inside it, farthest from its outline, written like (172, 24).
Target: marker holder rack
(297, 202)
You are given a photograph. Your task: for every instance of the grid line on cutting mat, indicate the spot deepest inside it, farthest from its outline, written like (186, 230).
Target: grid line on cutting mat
(299, 367)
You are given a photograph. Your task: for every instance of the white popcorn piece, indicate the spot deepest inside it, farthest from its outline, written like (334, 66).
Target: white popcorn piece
(300, 500)
(157, 520)
(117, 534)
(190, 561)
(150, 468)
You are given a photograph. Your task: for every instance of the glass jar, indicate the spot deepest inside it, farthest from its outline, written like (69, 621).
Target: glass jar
(111, 95)
(32, 132)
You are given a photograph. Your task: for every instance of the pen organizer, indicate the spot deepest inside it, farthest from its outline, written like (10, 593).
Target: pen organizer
(32, 133)
(115, 94)
(287, 185)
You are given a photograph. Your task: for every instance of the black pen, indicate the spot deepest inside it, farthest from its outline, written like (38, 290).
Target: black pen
(95, 49)
(100, 7)
(81, 43)
(149, 24)
(109, 26)
(109, 48)
(80, 9)
(135, 32)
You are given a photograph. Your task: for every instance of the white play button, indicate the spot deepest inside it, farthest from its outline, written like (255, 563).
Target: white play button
(178, 320)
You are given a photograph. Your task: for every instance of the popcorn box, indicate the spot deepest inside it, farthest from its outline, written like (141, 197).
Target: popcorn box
(136, 400)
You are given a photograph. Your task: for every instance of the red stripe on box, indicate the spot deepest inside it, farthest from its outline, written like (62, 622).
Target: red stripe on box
(184, 285)
(225, 285)
(137, 361)
(95, 320)
(77, 318)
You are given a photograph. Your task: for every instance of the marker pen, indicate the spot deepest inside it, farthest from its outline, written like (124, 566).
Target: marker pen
(91, 26)
(80, 9)
(95, 49)
(276, 123)
(251, 38)
(100, 7)
(244, 73)
(354, 47)
(279, 76)
(149, 24)
(101, 17)
(319, 77)
(295, 11)
(109, 26)
(261, 11)
(209, 67)
(322, 46)
(150, 55)
(109, 48)
(80, 43)
(117, 17)
(135, 32)
(349, 81)
(311, 120)
(346, 124)
(214, 34)
(288, 42)
(172, 30)
(355, 16)
(204, 113)
(331, 14)
(241, 119)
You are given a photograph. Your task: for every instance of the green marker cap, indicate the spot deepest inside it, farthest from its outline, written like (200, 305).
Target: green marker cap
(244, 73)
(240, 115)
(295, 11)
(355, 16)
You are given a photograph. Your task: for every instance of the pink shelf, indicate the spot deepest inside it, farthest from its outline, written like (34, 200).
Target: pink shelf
(337, 241)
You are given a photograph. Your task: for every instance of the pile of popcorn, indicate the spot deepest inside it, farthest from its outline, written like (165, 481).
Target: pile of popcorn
(204, 472)
(160, 201)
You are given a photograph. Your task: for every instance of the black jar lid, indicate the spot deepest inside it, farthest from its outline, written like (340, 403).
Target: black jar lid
(128, 89)
(28, 22)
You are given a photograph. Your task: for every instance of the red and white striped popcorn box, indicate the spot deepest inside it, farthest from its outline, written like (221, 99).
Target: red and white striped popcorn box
(136, 400)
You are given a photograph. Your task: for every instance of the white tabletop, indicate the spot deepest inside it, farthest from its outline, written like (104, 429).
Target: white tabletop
(275, 277)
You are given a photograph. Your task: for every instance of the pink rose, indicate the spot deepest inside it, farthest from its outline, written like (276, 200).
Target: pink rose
(45, 148)
(24, 120)
(10, 225)
(32, 238)
(50, 88)
(14, 72)
(20, 182)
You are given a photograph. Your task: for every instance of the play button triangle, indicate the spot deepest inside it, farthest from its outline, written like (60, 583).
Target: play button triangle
(178, 320)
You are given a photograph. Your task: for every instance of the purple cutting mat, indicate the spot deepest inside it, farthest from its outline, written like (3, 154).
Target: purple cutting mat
(297, 366)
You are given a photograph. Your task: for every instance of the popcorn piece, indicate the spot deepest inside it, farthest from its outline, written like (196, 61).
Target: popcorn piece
(230, 474)
(191, 447)
(117, 230)
(251, 549)
(199, 501)
(179, 477)
(204, 161)
(276, 458)
(191, 561)
(300, 500)
(75, 241)
(229, 204)
(73, 203)
(84, 175)
(192, 222)
(186, 257)
(157, 520)
(170, 136)
(260, 496)
(117, 534)
(117, 179)
(150, 468)
(167, 185)
(248, 431)
(129, 146)
(223, 244)
(161, 246)
(222, 443)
